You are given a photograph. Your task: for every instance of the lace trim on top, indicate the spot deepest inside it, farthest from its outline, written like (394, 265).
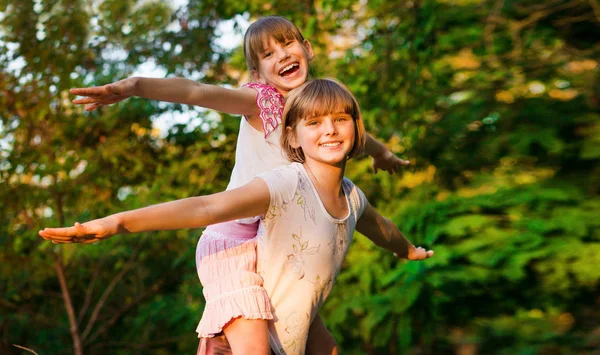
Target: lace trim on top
(270, 106)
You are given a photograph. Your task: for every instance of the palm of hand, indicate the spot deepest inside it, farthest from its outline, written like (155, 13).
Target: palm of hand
(99, 96)
(419, 253)
(388, 162)
(87, 233)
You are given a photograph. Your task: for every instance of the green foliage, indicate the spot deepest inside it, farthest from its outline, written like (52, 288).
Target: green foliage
(494, 102)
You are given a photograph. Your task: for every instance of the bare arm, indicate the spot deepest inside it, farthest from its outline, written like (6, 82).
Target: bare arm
(177, 90)
(385, 233)
(383, 158)
(249, 200)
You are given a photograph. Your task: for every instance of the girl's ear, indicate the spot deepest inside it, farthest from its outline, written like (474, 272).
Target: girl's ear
(291, 138)
(309, 50)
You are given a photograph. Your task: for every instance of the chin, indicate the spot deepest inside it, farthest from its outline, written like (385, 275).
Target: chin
(335, 160)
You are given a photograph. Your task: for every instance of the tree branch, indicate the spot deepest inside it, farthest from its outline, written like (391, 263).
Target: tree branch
(108, 291)
(73, 328)
(24, 348)
(574, 19)
(89, 291)
(596, 7)
(488, 34)
(152, 290)
(515, 27)
(147, 345)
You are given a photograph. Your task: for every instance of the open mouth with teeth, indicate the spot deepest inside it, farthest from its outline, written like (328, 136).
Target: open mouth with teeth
(289, 69)
(331, 144)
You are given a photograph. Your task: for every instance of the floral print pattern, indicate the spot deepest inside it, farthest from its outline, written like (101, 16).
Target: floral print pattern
(301, 249)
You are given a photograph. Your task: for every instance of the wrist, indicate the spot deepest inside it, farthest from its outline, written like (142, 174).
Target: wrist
(136, 86)
(116, 223)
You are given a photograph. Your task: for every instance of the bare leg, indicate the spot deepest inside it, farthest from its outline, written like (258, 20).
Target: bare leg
(248, 336)
(320, 341)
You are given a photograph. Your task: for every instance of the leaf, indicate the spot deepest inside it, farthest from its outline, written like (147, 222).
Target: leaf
(404, 331)
(404, 296)
(311, 250)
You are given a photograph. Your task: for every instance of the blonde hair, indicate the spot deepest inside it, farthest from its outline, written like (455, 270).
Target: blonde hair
(277, 27)
(316, 98)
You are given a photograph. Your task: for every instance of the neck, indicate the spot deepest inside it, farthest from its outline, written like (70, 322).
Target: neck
(326, 177)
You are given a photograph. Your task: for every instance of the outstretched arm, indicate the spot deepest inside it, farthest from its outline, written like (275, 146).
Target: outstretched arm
(382, 157)
(178, 90)
(385, 233)
(249, 200)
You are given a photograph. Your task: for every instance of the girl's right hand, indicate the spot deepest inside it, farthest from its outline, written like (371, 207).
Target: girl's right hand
(98, 96)
(89, 232)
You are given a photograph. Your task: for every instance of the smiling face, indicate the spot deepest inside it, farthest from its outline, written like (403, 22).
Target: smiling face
(277, 54)
(322, 123)
(325, 139)
(283, 64)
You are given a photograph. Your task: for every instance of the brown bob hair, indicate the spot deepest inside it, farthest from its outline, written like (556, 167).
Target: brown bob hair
(277, 27)
(316, 98)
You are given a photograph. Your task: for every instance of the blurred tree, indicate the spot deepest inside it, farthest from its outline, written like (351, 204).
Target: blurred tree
(60, 165)
(496, 103)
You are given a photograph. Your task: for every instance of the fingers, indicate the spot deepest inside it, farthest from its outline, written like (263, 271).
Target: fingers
(95, 90)
(425, 254)
(420, 253)
(89, 241)
(393, 169)
(76, 234)
(93, 107)
(86, 239)
(85, 100)
(59, 233)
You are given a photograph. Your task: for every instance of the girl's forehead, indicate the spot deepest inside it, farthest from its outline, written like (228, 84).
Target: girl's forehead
(268, 39)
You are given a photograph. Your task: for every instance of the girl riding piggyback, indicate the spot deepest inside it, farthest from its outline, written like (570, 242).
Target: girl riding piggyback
(278, 58)
(309, 212)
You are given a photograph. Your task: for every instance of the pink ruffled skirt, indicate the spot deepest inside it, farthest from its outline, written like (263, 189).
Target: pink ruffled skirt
(226, 265)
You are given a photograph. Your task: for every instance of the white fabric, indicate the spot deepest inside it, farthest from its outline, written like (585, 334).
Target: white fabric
(258, 152)
(300, 249)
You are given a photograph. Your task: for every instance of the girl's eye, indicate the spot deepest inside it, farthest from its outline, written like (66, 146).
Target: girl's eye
(341, 119)
(268, 54)
(288, 43)
(312, 123)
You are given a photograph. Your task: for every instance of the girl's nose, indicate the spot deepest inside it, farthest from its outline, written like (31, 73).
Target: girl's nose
(329, 127)
(283, 53)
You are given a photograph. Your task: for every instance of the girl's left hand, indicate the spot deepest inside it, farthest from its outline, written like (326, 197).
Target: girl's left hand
(418, 253)
(389, 162)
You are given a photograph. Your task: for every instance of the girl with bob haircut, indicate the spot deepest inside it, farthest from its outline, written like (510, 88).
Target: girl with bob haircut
(318, 99)
(308, 213)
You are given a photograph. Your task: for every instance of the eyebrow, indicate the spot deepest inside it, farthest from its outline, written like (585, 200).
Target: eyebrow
(335, 114)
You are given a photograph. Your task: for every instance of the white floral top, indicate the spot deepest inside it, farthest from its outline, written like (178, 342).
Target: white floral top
(300, 252)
